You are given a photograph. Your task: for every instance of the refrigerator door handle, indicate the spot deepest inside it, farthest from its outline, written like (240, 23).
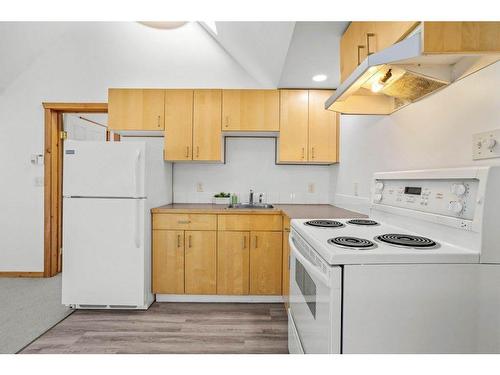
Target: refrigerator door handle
(136, 175)
(137, 223)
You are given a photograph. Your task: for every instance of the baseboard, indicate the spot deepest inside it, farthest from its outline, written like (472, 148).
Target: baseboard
(20, 274)
(352, 202)
(217, 298)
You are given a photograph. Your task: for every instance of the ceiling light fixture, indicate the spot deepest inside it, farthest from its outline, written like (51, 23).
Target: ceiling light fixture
(320, 77)
(165, 25)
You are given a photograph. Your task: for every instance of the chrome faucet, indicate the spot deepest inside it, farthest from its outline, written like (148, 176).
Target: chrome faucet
(250, 199)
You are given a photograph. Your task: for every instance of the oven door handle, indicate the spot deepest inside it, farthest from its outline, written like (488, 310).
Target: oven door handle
(311, 268)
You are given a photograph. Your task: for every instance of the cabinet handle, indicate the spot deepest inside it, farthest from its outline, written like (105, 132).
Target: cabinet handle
(159, 119)
(303, 152)
(368, 36)
(244, 242)
(312, 152)
(187, 151)
(197, 151)
(256, 241)
(189, 240)
(183, 221)
(226, 121)
(178, 240)
(359, 55)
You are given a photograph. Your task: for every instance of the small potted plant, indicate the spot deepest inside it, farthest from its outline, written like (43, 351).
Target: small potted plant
(221, 198)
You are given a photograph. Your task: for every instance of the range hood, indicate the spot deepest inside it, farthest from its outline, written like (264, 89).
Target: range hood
(400, 75)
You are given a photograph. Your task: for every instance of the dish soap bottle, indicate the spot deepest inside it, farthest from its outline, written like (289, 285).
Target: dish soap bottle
(234, 198)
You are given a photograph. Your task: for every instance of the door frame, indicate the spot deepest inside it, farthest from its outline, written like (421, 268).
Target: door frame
(52, 203)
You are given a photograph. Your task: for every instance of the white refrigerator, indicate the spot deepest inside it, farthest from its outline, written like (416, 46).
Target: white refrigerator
(108, 191)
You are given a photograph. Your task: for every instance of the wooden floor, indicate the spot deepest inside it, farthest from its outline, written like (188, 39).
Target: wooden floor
(171, 328)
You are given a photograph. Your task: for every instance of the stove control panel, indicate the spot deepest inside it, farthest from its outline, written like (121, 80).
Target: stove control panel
(455, 198)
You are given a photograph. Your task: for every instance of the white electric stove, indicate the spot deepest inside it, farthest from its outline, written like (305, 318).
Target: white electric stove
(409, 278)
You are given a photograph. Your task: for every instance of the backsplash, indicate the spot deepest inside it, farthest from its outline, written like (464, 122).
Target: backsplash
(250, 164)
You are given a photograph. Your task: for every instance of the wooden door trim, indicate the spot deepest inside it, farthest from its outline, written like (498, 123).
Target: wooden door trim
(53, 182)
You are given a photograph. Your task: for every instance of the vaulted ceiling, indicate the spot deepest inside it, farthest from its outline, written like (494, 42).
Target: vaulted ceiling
(284, 54)
(274, 54)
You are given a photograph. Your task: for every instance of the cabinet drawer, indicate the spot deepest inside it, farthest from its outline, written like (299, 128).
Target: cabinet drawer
(250, 222)
(185, 222)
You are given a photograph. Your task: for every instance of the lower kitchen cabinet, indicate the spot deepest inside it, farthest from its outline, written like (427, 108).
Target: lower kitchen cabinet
(194, 254)
(168, 261)
(265, 263)
(200, 262)
(233, 263)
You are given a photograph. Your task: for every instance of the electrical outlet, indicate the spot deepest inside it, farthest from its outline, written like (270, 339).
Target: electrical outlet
(486, 145)
(311, 187)
(355, 189)
(199, 187)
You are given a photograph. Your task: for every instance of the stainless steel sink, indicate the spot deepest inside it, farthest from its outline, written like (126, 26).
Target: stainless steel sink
(251, 206)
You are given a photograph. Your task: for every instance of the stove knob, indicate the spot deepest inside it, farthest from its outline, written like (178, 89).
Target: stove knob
(377, 198)
(458, 189)
(455, 207)
(379, 186)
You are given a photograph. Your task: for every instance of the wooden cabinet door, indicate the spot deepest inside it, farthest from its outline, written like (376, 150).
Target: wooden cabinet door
(233, 263)
(207, 117)
(178, 125)
(200, 262)
(381, 35)
(265, 263)
(323, 129)
(168, 262)
(352, 49)
(136, 109)
(461, 37)
(250, 110)
(293, 126)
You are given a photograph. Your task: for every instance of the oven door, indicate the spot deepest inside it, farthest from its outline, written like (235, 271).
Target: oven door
(315, 299)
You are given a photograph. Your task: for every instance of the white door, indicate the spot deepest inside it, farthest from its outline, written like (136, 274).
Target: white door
(103, 251)
(315, 300)
(104, 169)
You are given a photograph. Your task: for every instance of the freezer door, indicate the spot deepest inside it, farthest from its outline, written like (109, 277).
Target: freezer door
(103, 252)
(104, 169)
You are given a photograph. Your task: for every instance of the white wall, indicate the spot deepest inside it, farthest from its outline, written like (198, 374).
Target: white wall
(433, 133)
(79, 65)
(250, 164)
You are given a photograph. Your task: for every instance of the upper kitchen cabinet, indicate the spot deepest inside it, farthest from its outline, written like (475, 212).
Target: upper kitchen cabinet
(207, 125)
(323, 129)
(250, 110)
(294, 114)
(364, 38)
(193, 125)
(463, 37)
(308, 132)
(179, 125)
(352, 49)
(136, 109)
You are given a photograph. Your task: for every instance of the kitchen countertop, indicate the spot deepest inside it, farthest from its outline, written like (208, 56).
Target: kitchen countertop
(293, 211)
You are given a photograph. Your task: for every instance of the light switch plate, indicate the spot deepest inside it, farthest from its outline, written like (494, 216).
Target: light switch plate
(486, 145)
